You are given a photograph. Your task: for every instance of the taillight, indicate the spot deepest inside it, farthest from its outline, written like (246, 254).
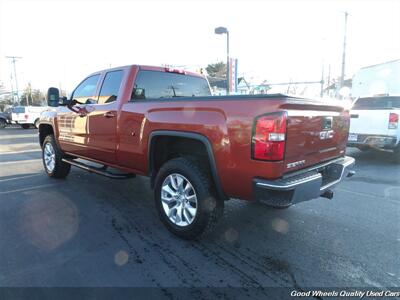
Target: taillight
(393, 120)
(26, 117)
(269, 137)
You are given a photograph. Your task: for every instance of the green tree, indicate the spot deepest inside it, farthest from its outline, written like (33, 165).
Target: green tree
(32, 97)
(217, 70)
(5, 101)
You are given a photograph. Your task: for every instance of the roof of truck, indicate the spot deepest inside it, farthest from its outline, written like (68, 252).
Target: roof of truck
(154, 68)
(384, 63)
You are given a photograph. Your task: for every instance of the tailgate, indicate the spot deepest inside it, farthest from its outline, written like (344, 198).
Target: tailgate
(315, 133)
(18, 113)
(18, 117)
(373, 122)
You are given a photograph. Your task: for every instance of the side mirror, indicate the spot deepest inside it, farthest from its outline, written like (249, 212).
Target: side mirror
(53, 97)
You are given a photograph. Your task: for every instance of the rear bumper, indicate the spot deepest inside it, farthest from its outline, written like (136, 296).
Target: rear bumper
(374, 141)
(303, 186)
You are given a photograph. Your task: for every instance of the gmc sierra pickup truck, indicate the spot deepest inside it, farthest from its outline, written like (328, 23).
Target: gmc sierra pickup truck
(198, 150)
(375, 124)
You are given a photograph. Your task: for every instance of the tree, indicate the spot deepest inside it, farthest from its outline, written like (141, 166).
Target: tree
(217, 70)
(32, 97)
(5, 101)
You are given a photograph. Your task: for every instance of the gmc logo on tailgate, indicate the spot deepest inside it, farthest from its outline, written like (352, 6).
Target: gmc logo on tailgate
(324, 135)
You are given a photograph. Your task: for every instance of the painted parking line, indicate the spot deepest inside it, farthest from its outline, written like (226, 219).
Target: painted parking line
(21, 177)
(28, 189)
(20, 151)
(20, 161)
(18, 136)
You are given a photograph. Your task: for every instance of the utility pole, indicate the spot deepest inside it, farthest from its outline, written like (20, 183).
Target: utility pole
(344, 50)
(329, 74)
(228, 79)
(12, 88)
(13, 60)
(322, 80)
(30, 94)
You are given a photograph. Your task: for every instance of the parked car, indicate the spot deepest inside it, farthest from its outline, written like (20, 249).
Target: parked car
(198, 150)
(4, 119)
(27, 116)
(375, 123)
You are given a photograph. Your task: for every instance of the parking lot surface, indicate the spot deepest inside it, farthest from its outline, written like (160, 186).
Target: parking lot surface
(88, 230)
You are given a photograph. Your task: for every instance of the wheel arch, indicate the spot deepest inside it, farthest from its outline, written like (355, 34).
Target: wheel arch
(155, 135)
(44, 130)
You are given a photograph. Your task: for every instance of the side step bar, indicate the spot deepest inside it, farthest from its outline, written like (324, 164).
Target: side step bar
(100, 171)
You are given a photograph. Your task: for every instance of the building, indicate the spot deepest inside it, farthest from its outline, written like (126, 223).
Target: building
(377, 79)
(218, 86)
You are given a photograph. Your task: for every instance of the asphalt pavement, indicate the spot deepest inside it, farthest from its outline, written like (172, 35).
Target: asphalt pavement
(88, 230)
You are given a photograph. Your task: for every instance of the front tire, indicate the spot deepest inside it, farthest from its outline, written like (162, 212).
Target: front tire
(3, 123)
(185, 198)
(36, 124)
(52, 159)
(364, 148)
(396, 153)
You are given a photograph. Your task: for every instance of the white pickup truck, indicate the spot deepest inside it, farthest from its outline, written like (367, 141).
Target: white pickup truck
(374, 123)
(27, 115)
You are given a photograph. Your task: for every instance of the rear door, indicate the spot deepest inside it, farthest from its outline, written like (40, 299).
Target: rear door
(315, 133)
(102, 119)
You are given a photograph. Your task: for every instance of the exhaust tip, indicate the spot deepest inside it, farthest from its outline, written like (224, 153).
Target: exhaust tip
(328, 194)
(351, 173)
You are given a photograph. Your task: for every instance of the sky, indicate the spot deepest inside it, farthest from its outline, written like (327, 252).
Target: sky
(61, 42)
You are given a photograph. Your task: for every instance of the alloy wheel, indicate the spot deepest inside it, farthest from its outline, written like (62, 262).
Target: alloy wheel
(49, 157)
(179, 200)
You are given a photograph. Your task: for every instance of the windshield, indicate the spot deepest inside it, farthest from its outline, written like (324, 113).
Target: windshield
(18, 110)
(377, 103)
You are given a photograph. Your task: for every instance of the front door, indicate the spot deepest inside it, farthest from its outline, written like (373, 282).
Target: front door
(72, 126)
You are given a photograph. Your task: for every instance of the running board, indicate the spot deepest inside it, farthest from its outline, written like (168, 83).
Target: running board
(100, 171)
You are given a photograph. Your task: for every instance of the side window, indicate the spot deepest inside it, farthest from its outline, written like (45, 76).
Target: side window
(86, 89)
(110, 88)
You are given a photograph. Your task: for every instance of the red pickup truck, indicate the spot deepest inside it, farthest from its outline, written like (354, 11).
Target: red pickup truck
(198, 150)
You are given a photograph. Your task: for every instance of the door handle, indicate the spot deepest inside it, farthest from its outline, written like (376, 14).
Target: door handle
(109, 114)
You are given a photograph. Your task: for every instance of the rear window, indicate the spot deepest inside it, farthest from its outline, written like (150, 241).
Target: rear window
(377, 103)
(156, 85)
(18, 110)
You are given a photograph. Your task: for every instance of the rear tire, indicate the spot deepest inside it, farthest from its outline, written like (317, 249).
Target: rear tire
(25, 126)
(52, 159)
(185, 198)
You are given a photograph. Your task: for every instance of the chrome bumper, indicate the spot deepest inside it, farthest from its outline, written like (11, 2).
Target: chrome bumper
(303, 186)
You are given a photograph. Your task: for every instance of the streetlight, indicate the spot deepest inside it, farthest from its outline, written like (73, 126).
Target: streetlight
(222, 30)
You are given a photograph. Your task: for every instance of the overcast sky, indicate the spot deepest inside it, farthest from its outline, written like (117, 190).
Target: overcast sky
(63, 41)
